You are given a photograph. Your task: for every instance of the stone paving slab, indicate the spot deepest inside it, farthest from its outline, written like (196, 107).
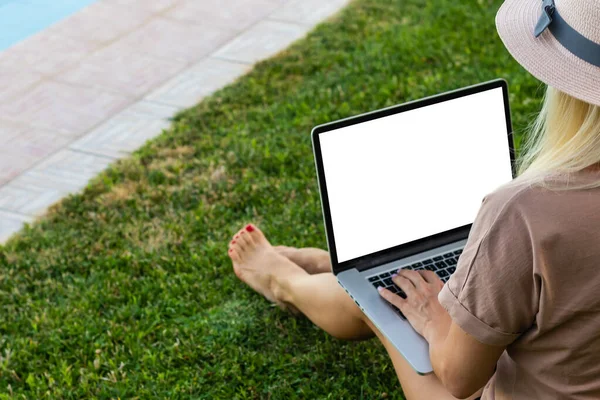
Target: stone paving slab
(153, 6)
(102, 22)
(62, 107)
(11, 223)
(22, 146)
(308, 12)
(123, 72)
(127, 131)
(173, 40)
(235, 15)
(13, 83)
(46, 53)
(11, 166)
(65, 172)
(190, 86)
(261, 41)
(97, 85)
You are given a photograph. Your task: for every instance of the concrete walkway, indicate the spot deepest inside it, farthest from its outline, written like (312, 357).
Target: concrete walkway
(97, 85)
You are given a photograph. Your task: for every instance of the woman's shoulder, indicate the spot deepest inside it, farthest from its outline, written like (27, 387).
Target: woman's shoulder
(533, 201)
(510, 197)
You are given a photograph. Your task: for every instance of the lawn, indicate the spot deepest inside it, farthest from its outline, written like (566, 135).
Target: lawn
(126, 290)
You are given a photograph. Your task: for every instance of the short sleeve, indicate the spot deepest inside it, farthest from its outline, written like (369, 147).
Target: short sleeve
(491, 296)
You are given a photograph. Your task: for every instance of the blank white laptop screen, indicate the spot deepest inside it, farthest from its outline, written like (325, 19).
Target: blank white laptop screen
(407, 176)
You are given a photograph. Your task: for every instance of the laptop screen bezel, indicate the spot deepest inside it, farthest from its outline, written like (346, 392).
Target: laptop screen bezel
(416, 246)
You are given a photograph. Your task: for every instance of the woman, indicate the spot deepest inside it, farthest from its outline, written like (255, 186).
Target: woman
(520, 318)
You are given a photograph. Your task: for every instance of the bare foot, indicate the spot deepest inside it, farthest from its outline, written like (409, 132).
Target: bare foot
(257, 263)
(312, 260)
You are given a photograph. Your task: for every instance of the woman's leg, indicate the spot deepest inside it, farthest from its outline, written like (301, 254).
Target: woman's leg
(312, 260)
(260, 266)
(322, 300)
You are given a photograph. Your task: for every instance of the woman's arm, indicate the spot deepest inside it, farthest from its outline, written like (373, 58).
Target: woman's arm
(463, 364)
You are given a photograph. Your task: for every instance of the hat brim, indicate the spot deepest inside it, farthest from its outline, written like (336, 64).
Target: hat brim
(544, 57)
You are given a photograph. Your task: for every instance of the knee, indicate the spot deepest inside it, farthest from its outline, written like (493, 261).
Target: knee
(325, 266)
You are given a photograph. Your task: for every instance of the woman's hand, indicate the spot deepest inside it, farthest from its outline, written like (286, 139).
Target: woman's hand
(421, 306)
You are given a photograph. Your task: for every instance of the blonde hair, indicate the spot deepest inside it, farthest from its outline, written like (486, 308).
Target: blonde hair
(564, 139)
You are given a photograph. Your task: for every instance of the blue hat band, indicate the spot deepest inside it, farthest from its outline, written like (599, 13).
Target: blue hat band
(572, 40)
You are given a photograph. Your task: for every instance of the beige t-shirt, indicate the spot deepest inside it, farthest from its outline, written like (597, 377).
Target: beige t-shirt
(529, 279)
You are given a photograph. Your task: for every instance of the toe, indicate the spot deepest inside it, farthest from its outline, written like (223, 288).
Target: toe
(237, 235)
(243, 242)
(256, 235)
(248, 235)
(235, 239)
(239, 246)
(235, 243)
(234, 255)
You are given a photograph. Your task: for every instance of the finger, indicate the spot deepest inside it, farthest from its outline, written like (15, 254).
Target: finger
(430, 276)
(401, 272)
(413, 276)
(404, 283)
(391, 297)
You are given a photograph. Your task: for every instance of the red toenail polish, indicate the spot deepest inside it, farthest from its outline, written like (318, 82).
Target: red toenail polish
(230, 250)
(233, 242)
(249, 228)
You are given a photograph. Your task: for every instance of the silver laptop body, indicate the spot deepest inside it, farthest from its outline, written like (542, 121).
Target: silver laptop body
(400, 188)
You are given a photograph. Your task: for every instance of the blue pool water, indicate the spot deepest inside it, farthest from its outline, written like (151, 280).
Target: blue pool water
(22, 18)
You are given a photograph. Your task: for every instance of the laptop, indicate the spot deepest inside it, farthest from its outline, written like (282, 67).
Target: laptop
(400, 188)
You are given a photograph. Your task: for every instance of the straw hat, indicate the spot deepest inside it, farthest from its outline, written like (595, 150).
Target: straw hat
(565, 53)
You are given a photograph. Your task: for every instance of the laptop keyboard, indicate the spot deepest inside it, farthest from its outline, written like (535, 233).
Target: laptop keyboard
(443, 265)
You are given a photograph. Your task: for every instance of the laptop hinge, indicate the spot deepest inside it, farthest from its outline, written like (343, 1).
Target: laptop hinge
(417, 247)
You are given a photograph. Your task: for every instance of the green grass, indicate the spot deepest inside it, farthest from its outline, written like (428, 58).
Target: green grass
(126, 290)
